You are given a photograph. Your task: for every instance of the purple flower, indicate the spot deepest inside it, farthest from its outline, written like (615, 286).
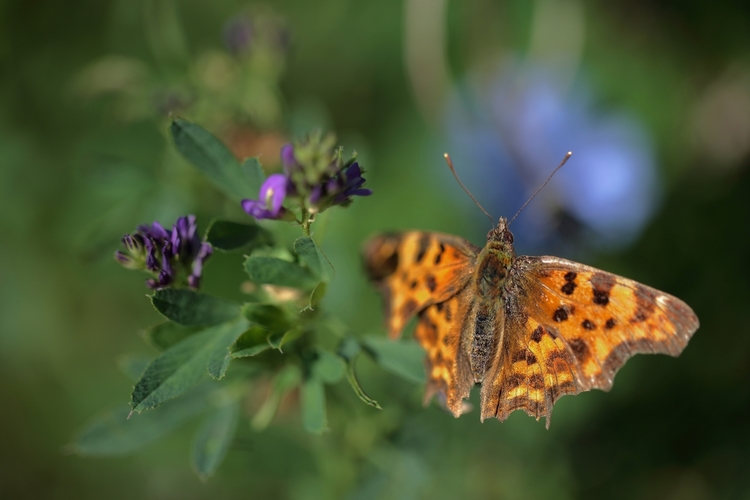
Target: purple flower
(185, 239)
(194, 280)
(353, 184)
(173, 258)
(288, 159)
(270, 199)
(238, 34)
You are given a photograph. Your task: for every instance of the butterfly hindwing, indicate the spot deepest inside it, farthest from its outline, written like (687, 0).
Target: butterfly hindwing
(569, 328)
(441, 330)
(416, 269)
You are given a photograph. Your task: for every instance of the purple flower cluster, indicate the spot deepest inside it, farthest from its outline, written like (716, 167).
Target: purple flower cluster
(173, 257)
(316, 187)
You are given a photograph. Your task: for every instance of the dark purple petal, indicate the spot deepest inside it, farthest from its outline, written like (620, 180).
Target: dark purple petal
(124, 259)
(256, 209)
(273, 192)
(353, 171)
(287, 158)
(152, 261)
(194, 282)
(165, 279)
(175, 240)
(360, 192)
(134, 244)
(315, 195)
(166, 254)
(203, 254)
(155, 231)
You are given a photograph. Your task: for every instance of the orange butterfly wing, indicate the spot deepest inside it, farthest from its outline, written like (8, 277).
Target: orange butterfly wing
(440, 331)
(428, 273)
(569, 328)
(416, 269)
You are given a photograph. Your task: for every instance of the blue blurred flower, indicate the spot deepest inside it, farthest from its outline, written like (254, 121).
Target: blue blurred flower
(174, 257)
(516, 129)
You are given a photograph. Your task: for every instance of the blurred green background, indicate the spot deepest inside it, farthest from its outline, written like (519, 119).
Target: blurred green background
(85, 90)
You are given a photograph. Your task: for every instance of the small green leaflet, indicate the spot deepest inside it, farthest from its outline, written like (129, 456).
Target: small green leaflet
(185, 364)
(215, 161)
(214, 438)
(190, 308)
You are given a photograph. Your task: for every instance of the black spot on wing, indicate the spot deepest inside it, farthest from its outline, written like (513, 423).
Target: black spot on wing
(431, 283)
(601, 286)
(408, 308)
(560, 314)
(579, 348)
(568, 288)
(610, 323)
(536, 381)
(424, 245)
(537, 334)
(570, 283)
(588, 324)
(645, 304)
(439, 255)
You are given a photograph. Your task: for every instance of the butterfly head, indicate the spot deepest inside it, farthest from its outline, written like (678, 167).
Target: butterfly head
(501, 233)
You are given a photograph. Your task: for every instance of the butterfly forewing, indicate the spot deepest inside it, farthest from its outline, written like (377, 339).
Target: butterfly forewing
(416, 269)
(576, 326)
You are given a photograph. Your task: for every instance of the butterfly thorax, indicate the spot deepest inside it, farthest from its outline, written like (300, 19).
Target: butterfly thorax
(495, 261)
(490, 278)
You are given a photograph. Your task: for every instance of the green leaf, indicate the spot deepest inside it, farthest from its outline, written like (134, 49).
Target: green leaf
(214, 160)
(327, 367)
(349, 349)
(273, 271)
(193, 309)
(250, 343)
(277, 341)
(133, 366)
(287, 379)
(229, 236)
(114, 434)
(404, 358)
(313, 406)
(253, 173)
(310, 254)
(165, 335)
(316, 296)
(185, 364)
(269, 316)
(352, 378)
(214, 438)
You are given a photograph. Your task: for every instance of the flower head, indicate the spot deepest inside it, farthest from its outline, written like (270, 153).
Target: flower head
(173, 257)
(270, 199)
(315, 178)
(238, 34)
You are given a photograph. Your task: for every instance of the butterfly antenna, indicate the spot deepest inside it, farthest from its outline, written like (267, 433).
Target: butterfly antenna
(450, 164)
(567, 156)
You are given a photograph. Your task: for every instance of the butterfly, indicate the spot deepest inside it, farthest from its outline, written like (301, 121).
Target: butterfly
(528, 329)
